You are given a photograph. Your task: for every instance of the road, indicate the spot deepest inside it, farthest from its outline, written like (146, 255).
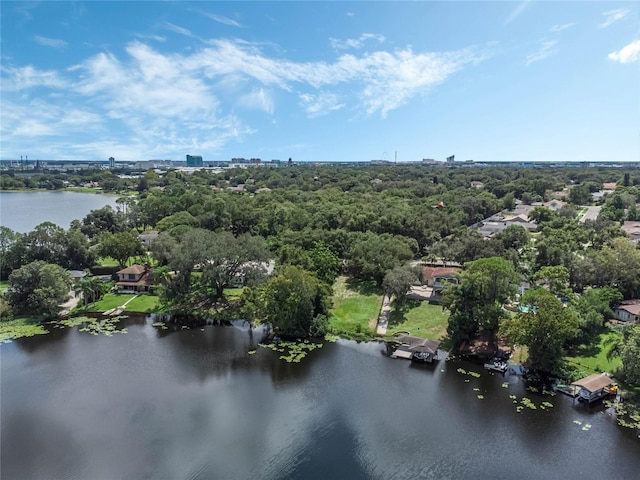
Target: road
(592, 213)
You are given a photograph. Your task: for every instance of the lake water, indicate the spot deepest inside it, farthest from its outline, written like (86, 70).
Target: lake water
(22, 211)
(193, 404)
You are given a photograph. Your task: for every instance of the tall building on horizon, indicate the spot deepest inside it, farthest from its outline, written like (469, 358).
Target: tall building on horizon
(194, 160)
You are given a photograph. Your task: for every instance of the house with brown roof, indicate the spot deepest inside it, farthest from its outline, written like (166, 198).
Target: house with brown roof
(438, 277)
(628, 311)
(134, 279)
(632, 229)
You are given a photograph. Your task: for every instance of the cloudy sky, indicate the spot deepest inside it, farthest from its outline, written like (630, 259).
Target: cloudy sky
(344, 81)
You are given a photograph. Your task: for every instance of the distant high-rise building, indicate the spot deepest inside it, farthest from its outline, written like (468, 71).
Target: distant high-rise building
(112, 162)
(194, 160)
(451, 159)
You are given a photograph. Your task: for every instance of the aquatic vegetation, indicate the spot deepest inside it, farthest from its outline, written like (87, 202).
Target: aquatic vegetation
(293, 352)
(505, 385)
(512, 397)
(160, 325)
(461, 370)
(528, 403)
(329, 337)
(19, 328)
(547, 404)
(251, 352)
(72, 322)
(533, 389)
(586, 426)
(480, 397)
(106, 327)
(476, 389)
(627, 414)
(577, 422)
(474, 374)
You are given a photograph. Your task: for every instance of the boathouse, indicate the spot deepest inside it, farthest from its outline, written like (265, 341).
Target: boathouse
(416, 349)
(594, 387)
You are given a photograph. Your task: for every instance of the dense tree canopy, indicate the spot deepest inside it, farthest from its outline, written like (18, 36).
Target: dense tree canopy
(39, 287)
(543, 328)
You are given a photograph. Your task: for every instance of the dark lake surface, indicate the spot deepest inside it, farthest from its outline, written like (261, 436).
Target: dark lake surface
(193, 404)
(22, 211)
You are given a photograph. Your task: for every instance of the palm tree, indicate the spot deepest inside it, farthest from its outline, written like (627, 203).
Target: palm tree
(91, 288)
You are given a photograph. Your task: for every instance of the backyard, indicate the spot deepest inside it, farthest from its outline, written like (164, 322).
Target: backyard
(355, 308)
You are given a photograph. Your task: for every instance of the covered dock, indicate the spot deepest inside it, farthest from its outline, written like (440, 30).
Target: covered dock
(416, 349)
(594, 387)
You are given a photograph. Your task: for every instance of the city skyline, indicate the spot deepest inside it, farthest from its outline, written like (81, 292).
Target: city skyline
(321, 81)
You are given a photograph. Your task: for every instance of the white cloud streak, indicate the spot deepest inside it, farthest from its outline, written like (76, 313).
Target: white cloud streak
(613, 16)
(50, 42)
(628, 54)
(546, 50)
(356, 43)
(560, 28)
(222, 19)
(516, 12)
(317, 105)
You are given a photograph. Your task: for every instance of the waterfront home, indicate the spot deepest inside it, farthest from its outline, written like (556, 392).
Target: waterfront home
(134, 279)
(628, 311)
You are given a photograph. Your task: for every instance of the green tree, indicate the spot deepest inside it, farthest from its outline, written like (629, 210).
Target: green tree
(91, 288)
(397, 283)
(39, 287)
(296, 303)
(580, 195)
(544, 329)
(556, 279)
(630, 355)
(120, 246)
(372, 256)
(476, 301)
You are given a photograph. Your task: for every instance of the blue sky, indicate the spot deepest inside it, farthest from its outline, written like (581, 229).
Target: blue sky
(342, 81)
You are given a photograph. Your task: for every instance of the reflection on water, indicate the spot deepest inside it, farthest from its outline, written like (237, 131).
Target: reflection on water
(193, 404)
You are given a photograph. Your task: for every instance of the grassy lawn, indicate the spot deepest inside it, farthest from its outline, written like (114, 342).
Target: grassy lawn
(233, 293)
(421, 319)
(144, 303)
(107, 262)
(355, 308)
(4, 284)
(594, 359)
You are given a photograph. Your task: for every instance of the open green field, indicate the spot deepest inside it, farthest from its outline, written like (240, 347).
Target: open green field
(594, 359)
(355, 308)
(421, 319)
(143, 303)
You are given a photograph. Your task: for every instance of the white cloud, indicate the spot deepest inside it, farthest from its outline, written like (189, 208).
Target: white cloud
(628, 54)
(545, 51)
(28, 77)
(560, 28)
(317, 105)
(156, 103)
(258, 99)
(356, 43)
(516, 12)
(50, 42)
(178, 29)
(613, 16)
(223, 20)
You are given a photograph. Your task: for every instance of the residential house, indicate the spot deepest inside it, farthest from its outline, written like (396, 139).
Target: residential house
(134, 279)
(477, 184)
(438, 278)
(632, 229)
(628, 311)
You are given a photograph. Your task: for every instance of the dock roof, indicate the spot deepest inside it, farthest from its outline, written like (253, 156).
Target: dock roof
(595, 382)
(417, 344)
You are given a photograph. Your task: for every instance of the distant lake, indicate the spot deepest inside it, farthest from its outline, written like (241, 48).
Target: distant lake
(22, 211)
(194, 404)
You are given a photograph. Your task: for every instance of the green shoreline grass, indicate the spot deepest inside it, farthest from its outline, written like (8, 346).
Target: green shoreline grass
(420, 319)
(354, 314)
